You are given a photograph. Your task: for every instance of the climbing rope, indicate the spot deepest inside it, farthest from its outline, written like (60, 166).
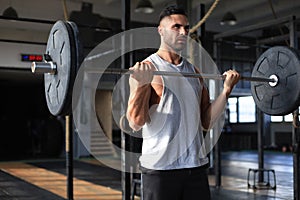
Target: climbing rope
(213, 6)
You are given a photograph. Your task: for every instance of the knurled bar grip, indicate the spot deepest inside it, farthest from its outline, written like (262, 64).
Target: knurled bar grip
(185, 74)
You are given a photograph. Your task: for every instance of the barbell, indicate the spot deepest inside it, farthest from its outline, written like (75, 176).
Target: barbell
(275, 78)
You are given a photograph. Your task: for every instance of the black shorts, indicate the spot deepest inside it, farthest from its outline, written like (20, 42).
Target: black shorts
(179, 184)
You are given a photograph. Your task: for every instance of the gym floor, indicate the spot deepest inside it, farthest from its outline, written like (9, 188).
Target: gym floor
(46, 179)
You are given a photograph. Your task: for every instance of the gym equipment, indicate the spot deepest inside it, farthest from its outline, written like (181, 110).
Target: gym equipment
(275, 78)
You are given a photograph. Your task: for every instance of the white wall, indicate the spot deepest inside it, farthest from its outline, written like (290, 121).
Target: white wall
(10, 54)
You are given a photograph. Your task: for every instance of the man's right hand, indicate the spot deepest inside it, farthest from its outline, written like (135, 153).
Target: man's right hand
(142, 73)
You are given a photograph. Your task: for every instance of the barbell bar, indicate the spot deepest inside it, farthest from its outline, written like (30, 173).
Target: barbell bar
(275, 79)
(50, 67)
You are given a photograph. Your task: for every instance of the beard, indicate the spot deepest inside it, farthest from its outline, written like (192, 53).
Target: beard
(177, 44)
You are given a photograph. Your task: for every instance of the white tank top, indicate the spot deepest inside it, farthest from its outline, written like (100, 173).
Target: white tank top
(173, 139)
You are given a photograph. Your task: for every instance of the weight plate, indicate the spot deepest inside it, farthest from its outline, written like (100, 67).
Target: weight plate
(78, 43)
(62, 48)
(78, 60)
(284, 97)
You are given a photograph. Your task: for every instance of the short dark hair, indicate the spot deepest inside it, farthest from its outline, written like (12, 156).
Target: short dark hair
(171, 10)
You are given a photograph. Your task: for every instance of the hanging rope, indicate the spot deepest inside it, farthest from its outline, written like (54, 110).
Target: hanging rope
(213, 6)
(296, 122)
(65, 10)
(193, 34)
(275, 16)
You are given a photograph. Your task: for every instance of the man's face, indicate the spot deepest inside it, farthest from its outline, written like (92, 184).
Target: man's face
(174, 30)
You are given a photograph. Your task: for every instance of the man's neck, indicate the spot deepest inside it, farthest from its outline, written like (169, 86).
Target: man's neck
(169, 56)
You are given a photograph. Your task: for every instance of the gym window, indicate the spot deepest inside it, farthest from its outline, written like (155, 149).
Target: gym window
(286, 118)
(241, 109)
(232, 107)
(246, 109)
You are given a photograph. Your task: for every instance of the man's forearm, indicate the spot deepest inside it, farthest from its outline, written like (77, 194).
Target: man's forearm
(217, 107)
(138, 105)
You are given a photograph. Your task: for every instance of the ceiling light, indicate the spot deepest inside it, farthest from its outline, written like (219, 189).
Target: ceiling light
(10, 12)
(228, 19)
(144, 6)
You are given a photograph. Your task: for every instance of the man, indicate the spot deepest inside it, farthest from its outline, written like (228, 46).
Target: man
(169, 110)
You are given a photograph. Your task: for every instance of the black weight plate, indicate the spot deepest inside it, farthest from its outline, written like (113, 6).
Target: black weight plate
(78, 43)
(79, 58)
(61, 47)
(284, 98)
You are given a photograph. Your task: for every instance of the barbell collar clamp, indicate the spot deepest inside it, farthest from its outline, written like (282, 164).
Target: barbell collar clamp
(44, 67)
(274, 83)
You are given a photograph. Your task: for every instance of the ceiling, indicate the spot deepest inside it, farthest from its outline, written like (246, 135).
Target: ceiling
(247, 12)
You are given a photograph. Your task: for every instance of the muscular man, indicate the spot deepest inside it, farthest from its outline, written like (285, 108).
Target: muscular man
(172, 113)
